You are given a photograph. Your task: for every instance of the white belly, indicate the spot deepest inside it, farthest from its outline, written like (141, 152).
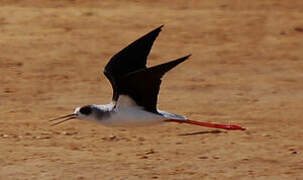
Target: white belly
(132, 116)
(127, 113)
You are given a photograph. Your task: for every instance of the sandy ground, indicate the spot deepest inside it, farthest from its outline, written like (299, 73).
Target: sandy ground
(246, 68)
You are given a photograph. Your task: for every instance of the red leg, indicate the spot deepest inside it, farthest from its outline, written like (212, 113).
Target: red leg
(207, 124)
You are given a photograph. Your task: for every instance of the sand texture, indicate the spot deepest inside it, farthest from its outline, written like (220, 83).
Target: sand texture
(246, 68)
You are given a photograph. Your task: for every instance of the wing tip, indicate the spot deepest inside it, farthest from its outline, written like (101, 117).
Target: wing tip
(158, 29)
(184, 58)
(187, 56)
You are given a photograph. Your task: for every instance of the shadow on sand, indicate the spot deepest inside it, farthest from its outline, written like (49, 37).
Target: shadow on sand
(202, 132)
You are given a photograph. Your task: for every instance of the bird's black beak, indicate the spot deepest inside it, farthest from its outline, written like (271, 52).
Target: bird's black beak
(65, 118)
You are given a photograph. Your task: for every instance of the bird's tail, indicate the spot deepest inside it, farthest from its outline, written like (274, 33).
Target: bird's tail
(171, 115)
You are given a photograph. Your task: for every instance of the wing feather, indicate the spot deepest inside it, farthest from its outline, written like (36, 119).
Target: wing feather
(143, 85)
(131, 58)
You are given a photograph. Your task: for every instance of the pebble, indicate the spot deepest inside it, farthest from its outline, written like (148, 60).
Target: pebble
(299, 29)
(110, 138)
(203, 157)
(144, 157)
(151, 151)
(4, 135)
(69, 133)
(141, 139)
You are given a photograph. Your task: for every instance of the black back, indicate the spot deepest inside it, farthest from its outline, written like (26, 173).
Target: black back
(143, 86)
(130, 59)
(128, 74)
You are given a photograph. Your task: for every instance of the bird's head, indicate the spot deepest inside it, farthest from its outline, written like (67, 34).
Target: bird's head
(82, 113)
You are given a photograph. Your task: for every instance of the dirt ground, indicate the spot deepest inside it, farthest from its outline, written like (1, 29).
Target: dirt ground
(246, 68)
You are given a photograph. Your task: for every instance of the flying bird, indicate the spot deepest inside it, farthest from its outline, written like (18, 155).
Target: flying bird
(135, 91)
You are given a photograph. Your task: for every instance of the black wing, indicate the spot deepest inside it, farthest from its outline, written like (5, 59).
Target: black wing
(143, 86)
(130, 59)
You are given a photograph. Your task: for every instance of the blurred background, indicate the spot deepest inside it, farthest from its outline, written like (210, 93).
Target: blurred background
(246, 68)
